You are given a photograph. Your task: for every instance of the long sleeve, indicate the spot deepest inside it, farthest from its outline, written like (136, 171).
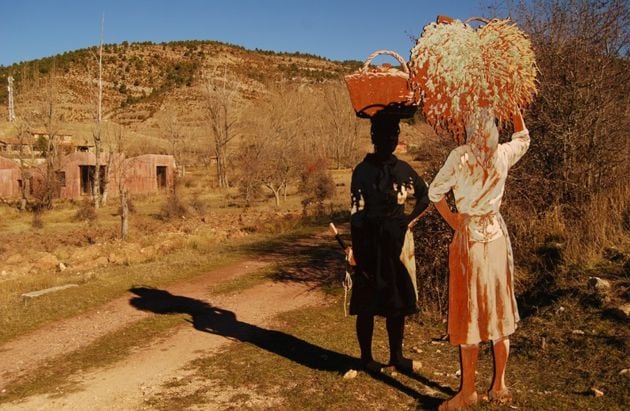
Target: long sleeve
(516, 148)
(445, 178)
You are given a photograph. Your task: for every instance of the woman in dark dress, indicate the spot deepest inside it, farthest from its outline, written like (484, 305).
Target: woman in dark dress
(384, 283)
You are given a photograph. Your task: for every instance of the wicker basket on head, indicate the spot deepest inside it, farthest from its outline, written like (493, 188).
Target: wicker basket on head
(375, 89)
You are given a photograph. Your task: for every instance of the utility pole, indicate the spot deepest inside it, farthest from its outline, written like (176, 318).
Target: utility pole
(11, 107)
(96, 186)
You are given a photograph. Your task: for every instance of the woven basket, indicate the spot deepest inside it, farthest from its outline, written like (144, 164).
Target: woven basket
(373, 89)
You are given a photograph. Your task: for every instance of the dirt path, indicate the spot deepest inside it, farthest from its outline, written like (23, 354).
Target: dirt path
(26, 353)
(125, 385)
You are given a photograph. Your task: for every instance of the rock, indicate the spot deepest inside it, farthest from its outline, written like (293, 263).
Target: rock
(61, 267)
(83, 254)
(14, 259)
(416, 350)
(45, 262)
(613, 254)
(101, 261)
(35, 294)
(625, 309)
(350, 374)
(597, 393)
(598, 284)
(117, 258)
(622, 312)
(578, 332)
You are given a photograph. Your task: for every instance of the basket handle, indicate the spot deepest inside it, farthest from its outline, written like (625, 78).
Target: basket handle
(395, 55)
(481, 19)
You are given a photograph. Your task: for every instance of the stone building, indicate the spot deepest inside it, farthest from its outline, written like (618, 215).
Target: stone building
(10, 179)
(150, 173)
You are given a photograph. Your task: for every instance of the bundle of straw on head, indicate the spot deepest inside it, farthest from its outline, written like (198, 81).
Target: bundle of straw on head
(457, 70)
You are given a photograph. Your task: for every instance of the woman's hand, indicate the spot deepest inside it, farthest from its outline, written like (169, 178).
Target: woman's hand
(517, 120)
(455, 220)
(459, 219)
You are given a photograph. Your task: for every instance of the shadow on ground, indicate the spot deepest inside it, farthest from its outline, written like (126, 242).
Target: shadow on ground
(316, 260)
(207, 318)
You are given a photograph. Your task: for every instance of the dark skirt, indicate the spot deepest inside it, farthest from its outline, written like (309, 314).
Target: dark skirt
(381, 283)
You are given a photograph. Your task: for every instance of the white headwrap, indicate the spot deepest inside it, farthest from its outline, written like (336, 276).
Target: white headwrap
(483, 137)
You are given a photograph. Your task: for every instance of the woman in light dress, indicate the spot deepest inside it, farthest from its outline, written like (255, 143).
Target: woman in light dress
(482, 306)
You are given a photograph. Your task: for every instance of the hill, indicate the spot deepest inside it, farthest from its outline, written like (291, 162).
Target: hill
(143, 80)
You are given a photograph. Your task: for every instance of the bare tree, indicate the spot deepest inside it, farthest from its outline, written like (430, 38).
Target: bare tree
(23, 131)
(223, 116)
(119, 164)
(97, 132)
(340, 125)
(271, 154)
(51, 121)
(580, 118)
(172, 132)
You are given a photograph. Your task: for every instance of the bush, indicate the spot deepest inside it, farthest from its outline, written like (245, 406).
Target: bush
(86, 212)
(198, 205)
(173, 208)
(317, 185)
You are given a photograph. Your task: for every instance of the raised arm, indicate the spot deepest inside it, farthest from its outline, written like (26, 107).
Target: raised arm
(516, 148)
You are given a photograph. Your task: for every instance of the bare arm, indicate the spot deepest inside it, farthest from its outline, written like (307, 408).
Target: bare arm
(519, 123)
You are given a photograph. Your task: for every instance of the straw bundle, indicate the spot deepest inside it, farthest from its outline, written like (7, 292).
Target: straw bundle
(456, 70)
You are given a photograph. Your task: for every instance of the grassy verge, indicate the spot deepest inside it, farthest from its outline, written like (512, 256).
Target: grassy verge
(299, 363)
(102, 285)
(56, 376)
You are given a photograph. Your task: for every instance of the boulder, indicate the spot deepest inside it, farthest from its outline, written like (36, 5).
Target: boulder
(598, 284)
(45, 261)
(83, 254)
(14, 259)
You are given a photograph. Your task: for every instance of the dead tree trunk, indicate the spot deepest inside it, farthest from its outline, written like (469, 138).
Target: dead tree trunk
(124, 215)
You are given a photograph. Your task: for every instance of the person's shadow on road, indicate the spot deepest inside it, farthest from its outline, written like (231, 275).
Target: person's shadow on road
(207, 318)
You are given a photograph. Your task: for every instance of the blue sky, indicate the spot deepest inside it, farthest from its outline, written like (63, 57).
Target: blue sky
(336, 29)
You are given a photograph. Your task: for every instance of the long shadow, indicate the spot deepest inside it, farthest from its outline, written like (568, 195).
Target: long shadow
(215, 320)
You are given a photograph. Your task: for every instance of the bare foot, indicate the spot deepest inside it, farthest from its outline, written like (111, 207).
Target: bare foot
(459, 402)
(501, 397)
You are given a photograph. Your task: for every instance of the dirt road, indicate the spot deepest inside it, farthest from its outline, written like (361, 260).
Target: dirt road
(125, 384)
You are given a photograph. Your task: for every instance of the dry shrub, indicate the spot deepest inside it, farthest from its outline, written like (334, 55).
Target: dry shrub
(86, 212)
(173, 208)
(37, 222)
(431, 237)
(316, 185)
(198, 204)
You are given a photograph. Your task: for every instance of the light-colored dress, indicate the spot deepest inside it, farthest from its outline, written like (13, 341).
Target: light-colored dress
(482, 305)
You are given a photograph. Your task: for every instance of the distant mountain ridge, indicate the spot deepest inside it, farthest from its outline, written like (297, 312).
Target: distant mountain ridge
(141, 78)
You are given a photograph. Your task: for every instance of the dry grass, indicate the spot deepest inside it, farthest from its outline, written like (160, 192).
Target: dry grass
(299, 363)
(192, 243)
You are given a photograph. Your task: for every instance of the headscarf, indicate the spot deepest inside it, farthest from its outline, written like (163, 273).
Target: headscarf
(482, 136)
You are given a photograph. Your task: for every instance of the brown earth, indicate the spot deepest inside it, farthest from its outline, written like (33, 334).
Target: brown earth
(125, 384)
